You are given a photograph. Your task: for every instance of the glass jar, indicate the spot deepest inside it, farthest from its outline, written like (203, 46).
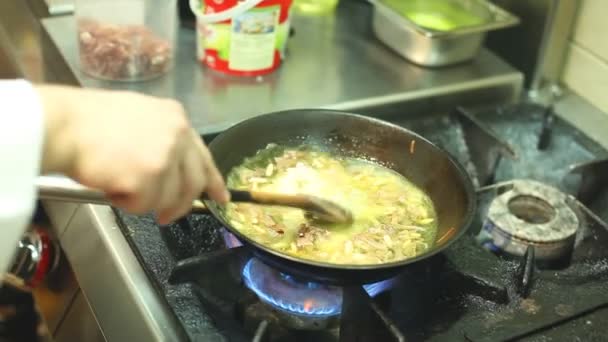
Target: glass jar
(126, 40)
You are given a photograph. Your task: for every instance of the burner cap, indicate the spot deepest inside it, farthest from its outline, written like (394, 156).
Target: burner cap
(532, 214)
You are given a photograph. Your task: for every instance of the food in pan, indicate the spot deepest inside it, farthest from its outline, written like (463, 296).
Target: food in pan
(393, 219)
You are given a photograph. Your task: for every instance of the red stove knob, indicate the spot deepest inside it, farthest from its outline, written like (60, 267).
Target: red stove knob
(37, 256)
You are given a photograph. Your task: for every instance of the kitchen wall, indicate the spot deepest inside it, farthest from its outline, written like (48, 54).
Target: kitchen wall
(586, 68)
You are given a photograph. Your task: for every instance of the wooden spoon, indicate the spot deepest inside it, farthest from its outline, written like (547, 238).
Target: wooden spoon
(64, 189)
(318, 208)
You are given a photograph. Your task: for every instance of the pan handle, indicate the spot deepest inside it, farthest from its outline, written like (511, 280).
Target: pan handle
(59, 188)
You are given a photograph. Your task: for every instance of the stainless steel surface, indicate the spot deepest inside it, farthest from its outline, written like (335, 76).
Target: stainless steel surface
(36, 58)
(486, 148)
(79, 323)
(437, 48)
(123, 300)
(55, 297)
(592, 179)
(554, 46)
(58, 188)
(537, 45)
(62, 215)
(584, 116)
(358, 72)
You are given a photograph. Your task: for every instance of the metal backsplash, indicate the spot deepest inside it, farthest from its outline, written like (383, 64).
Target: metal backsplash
(538, 45)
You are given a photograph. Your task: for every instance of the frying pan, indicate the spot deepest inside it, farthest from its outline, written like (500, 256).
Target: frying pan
(351, 135)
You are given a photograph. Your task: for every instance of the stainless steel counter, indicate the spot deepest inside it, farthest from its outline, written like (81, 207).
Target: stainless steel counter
(333, 62)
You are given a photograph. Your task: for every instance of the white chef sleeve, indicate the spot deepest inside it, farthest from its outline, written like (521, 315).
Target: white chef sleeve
(21, 140)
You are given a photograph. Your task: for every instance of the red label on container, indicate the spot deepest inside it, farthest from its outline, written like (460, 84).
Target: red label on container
(214, 6)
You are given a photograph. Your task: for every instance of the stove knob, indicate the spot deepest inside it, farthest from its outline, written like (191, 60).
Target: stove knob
(37, 256)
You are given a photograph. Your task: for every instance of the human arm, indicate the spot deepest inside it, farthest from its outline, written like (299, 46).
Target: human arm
(140, 150)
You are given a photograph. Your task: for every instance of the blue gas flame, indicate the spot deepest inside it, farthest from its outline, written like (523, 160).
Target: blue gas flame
(312, 306)
(230, 240)
(299, 297)
(377, 288)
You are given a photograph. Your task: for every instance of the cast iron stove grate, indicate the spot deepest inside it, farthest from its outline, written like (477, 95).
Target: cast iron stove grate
(465, 294)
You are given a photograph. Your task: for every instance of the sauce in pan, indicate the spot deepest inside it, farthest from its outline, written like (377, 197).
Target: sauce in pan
(393, 219)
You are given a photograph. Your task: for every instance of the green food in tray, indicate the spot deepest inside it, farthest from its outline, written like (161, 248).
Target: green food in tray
(437, 15)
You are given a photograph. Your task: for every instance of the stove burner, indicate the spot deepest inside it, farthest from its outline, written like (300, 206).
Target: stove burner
(290, 294)
(531, 214)
(531, 209)
(300, 297)
(372, 289)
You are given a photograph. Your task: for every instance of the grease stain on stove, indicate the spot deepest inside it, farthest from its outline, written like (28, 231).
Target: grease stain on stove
(529, 306)
(564, 310)
(493, 319)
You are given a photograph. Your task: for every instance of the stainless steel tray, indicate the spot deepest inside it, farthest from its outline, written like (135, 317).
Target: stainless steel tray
(428, 47)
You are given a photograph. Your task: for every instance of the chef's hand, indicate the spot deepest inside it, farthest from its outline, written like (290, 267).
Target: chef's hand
(138, 149)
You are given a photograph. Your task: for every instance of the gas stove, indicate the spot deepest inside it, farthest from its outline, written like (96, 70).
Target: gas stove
(532, 267)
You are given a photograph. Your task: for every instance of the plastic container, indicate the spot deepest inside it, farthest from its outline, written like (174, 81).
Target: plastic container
(126, 40)
(315, 7)
(247, 39)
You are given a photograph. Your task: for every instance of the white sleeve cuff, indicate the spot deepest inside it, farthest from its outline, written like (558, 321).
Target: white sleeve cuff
(21, 143)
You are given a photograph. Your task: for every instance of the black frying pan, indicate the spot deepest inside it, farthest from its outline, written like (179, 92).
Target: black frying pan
(406, 152)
